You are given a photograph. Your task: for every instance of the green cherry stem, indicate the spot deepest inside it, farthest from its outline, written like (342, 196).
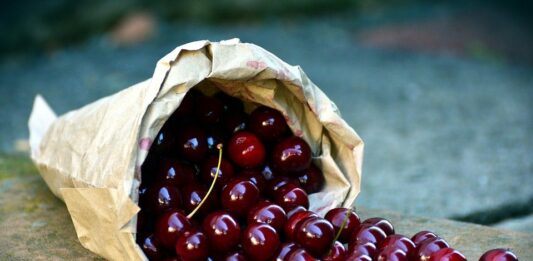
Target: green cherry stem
(219, 147)
(344, 221)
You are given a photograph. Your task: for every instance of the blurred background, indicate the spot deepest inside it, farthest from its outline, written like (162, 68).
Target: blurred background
(440, 91)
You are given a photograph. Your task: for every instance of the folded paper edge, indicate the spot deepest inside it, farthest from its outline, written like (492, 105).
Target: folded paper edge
(41, 117)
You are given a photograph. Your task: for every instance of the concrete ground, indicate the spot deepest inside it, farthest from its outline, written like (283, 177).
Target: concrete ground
(447, 135)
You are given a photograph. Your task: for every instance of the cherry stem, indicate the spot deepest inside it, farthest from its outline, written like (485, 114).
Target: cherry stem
(219, 147)
(344, 221)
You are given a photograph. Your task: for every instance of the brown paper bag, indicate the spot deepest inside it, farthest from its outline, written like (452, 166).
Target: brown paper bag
(91, 157)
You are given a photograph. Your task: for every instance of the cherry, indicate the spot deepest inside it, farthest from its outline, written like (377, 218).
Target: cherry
(186, 107)
(170, 226)
(392, 253)
(151, 248)
(193, 194)
(192, 246)
(256, 177)
(382, 223)
(222, 231)
(311, 179)
(428, 246)
(295, 210)
(150, 168)
(230, 104)
(291, 196)
(260, 241)
(399, 241)
(368, 233)
(164, 142)
(498, 254)
(235, 256)
(366, 248)
(177, 173)
(315, 235)
(357, 257)
(210, 112)
(246, 150)
(209, 170)
(238, 196)
(267, 172)
(294, 222)
(292, 154)
(236, 122)
(447, 254)
(267, 123)
(337, 216)
(214, 137)
(160, 197)
(300, 254)
(275, 184)
(337, 252)
(284, 250)
(145, 225)
(192, 143)
(266, 212)
(422, 235)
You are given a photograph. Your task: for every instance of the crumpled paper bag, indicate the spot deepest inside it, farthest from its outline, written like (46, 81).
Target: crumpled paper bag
(91, 157)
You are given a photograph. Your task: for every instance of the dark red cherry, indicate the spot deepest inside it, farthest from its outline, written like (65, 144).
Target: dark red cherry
(269, 213)
(260, 242)
(185, 109)
(300, 254)
(357, 257)
(422, 235)
(238, 196)
(294, 222)
(311, 179)
(447, 254)
(192, 143)
(170, 226)
(382, 223)
(145, 225)
(177, 173)
(284, 250)
(209, 111)
(230, 104)
(498, 254)
(246, 150)
(267, 172)
(337, 215)
(292, 154)
(193, 194)
(315, 235)
(209, 170)
(151, 248)
(366, 248)
(368, 233)
(164, 142)
(214, 137)
(222, 231)
(150, 168)
(267, 123)
(235, 256)
(276, 183)
(291, 196)
(295, 210)
(256, 177)
(160, 197)
(235, 122)
(429, 246)
(337, 252)
(392, 253)
(399, 241)
(192, 246)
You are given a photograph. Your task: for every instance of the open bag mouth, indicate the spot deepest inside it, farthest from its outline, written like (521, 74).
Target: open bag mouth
(92, 158)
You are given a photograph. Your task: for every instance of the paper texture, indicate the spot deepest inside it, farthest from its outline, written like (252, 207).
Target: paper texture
(91, 157)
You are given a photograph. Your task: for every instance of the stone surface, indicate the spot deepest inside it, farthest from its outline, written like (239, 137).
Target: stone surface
(34, 225)
(445, 136)
(517, 224)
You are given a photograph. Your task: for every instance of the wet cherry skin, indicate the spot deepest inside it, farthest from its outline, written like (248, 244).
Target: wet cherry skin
(311, 179)
(260, 242)
(238, 196)
(399, 241)
(170, 226)
(337, 215)
(366, 248)
(269, 213)
(300, 254)
(315, 235)
(268, 124)
(422, 235)
(192, 143)
(428, 247)
(293, 223)
(447, 254)
(246, 150)
(498, 254)
(222, 231)
(391, 253)
(209, 170)
(284, 250)
(382, 223)
(193, 246)
(337, 252)
(292, 154)
(291, 196)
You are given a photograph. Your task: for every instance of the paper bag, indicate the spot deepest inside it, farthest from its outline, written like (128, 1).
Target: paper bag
(91, 157)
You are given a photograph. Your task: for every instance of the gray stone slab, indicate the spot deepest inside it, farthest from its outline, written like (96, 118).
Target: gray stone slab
(35, 225)
(444, 136)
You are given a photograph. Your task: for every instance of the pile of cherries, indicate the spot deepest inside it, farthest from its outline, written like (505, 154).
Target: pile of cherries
(219, 184)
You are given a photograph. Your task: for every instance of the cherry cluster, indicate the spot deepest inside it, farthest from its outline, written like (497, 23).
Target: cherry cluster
(221, 184)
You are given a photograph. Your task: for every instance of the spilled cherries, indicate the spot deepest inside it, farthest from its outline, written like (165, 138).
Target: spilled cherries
(220, 183)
